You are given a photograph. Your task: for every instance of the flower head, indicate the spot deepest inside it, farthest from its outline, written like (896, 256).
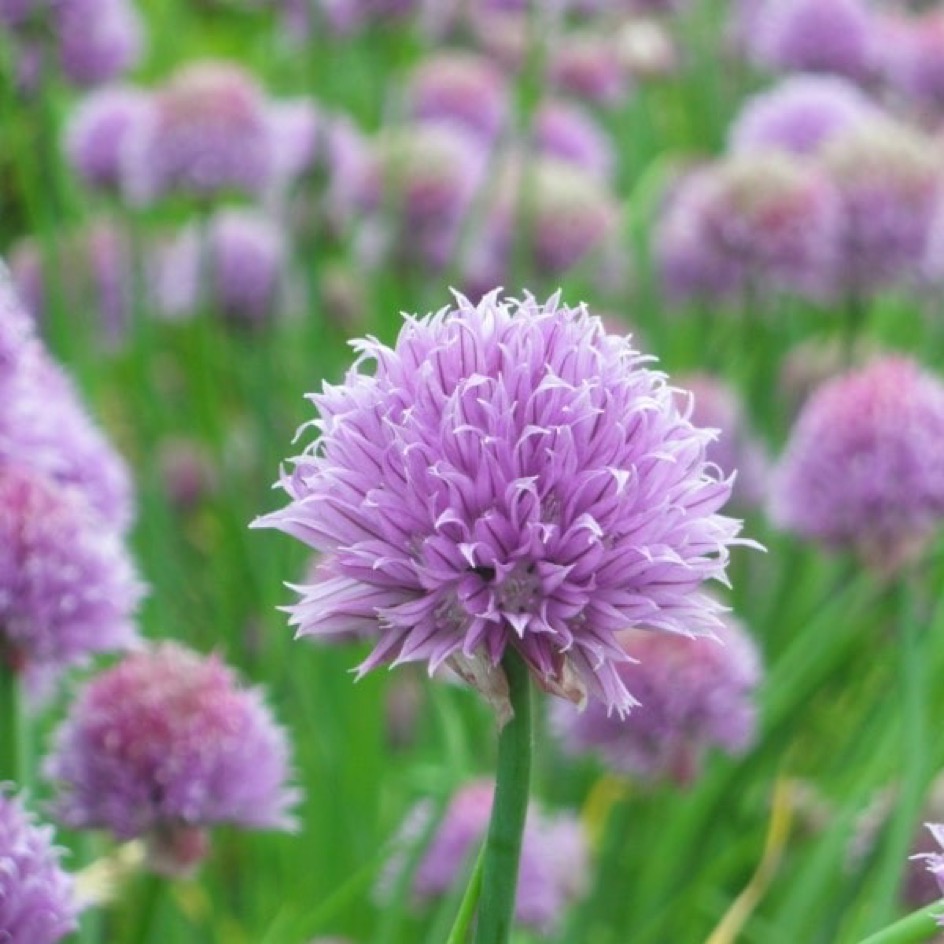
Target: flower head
(296, 127)
(165, 743)
(554, 855)
(44, 426)
(98, 40)
(764, 218)
(467, 89)
(97, 131)
(837, 36)
(693, 694)
(800, 114)
(430, 175)
(246, 263)
(913, 59)
(37, 899)
(889, 184)
(208, 131)
(569, 133)
(587, 66)
(563, 212)
(67, 586)
(507, 475)
(864, 465)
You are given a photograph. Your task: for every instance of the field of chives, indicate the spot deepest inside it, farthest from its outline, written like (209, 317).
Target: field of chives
(202, 202)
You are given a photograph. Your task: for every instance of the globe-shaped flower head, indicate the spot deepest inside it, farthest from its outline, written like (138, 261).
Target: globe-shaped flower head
(693, 694)
(37, 903)
(864, 465)
(97, 130)
(507, 476)
(67, 586)
(208, 132)
(837, 36)
(800, 114)
(164, 744)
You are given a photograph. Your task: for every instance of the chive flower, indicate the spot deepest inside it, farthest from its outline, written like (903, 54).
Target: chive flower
(164, 744)
(863, 467)
(506, 476)
(693, 694)
(37, 897)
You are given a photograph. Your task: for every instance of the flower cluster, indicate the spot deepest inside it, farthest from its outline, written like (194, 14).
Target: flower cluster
(693, 694)
(507, 476)
(208, 130)
(91, 41)
(164, 744)
(37, 902)
(67, 585)
(864, 466)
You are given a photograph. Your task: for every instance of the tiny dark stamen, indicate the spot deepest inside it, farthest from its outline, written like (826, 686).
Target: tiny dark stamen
(486, 573)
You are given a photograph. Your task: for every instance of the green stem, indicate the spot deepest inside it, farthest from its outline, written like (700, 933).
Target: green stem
(9, 725)
(509, 808)
(918, 926)
(470, 901)
(913, 693)
(146, 906)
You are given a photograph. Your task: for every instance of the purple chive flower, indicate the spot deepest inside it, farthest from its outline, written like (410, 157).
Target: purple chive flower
(888, 179)
(646, 49)
(67, 586)
(97, 131)
(554, 856)
(245, 256)
(569, 133)
(461, 87)
(765, 219)
(716, 405)
(693, 694)
(800, 114)
(296, 127)
(864, 466)
(44, 426)
(93, 273)
(37, 897)
(165, 744)
(507, 475)
(836, 36)
(587, 66)
(207, 132)
(430, 175)
(569, 214)
(913, 58)
(354, 179)
(98, 40)
(348, 16)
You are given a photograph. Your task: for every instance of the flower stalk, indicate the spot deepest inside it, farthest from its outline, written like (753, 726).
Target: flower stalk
(509, 809)
(918, 926)
(9, 724)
